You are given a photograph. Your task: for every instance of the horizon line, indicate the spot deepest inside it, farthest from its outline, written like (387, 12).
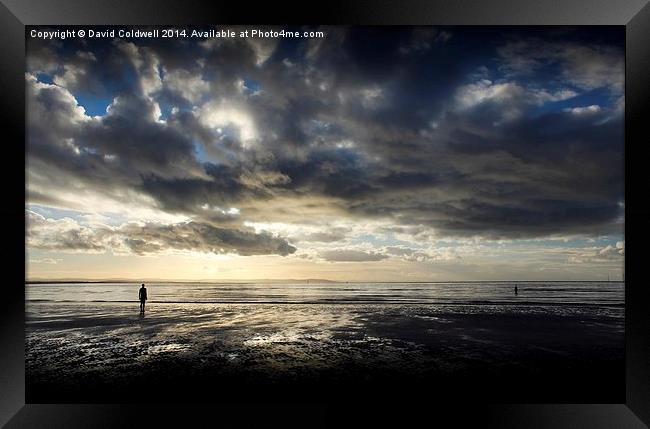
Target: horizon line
(248, 281)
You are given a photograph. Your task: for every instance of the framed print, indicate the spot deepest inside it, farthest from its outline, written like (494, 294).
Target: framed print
(376, 214)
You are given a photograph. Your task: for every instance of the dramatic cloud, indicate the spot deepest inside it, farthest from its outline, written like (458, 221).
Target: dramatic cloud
(587, 66)
(62, 234)
(437, 133)
(68, 235)
(599, 255)
(509, 93)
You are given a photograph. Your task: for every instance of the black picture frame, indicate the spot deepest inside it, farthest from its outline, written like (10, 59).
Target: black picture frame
(633, 14)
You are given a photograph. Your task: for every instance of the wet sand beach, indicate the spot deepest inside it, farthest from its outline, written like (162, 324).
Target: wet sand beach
(107, 352)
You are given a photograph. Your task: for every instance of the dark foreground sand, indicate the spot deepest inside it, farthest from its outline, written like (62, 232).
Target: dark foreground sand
(106, 352)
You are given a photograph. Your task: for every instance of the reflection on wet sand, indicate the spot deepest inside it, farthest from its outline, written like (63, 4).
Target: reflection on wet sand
(68, 344)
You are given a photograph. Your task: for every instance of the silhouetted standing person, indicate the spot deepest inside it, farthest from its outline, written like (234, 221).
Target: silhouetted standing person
(516, 290)
(143, 297)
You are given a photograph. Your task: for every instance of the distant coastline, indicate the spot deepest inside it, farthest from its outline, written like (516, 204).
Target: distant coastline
(305, 281)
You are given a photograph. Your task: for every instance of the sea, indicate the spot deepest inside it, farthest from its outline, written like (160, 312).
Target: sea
(610, 293)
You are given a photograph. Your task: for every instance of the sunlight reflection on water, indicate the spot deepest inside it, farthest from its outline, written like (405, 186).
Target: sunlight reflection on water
(601, 293)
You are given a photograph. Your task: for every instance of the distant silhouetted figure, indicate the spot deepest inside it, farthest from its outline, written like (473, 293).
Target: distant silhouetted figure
(516, 290)
(143, 297)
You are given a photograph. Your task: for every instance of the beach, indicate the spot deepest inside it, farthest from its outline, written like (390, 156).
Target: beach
(103, 351)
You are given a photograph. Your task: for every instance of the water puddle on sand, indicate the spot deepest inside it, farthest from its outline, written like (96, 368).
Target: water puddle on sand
(285, 337)
(166, 348)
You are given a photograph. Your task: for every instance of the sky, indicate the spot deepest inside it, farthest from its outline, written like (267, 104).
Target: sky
(370, 154)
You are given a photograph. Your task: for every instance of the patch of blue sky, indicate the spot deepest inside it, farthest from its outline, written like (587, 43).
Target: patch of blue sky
(200, 153)
(601, 97)
(95, 105)
(165, 111)
(99, 98)
(55, 213)
(45, 78)
(112, 218)
(569, 243)
(96, 102)
(545, 242)
(252, 86)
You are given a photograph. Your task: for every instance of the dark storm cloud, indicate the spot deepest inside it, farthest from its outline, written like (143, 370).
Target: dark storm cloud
(532, 186)
(337, 173)
(204, 238)
(431, 128)
(223, 186)
(129, 133)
